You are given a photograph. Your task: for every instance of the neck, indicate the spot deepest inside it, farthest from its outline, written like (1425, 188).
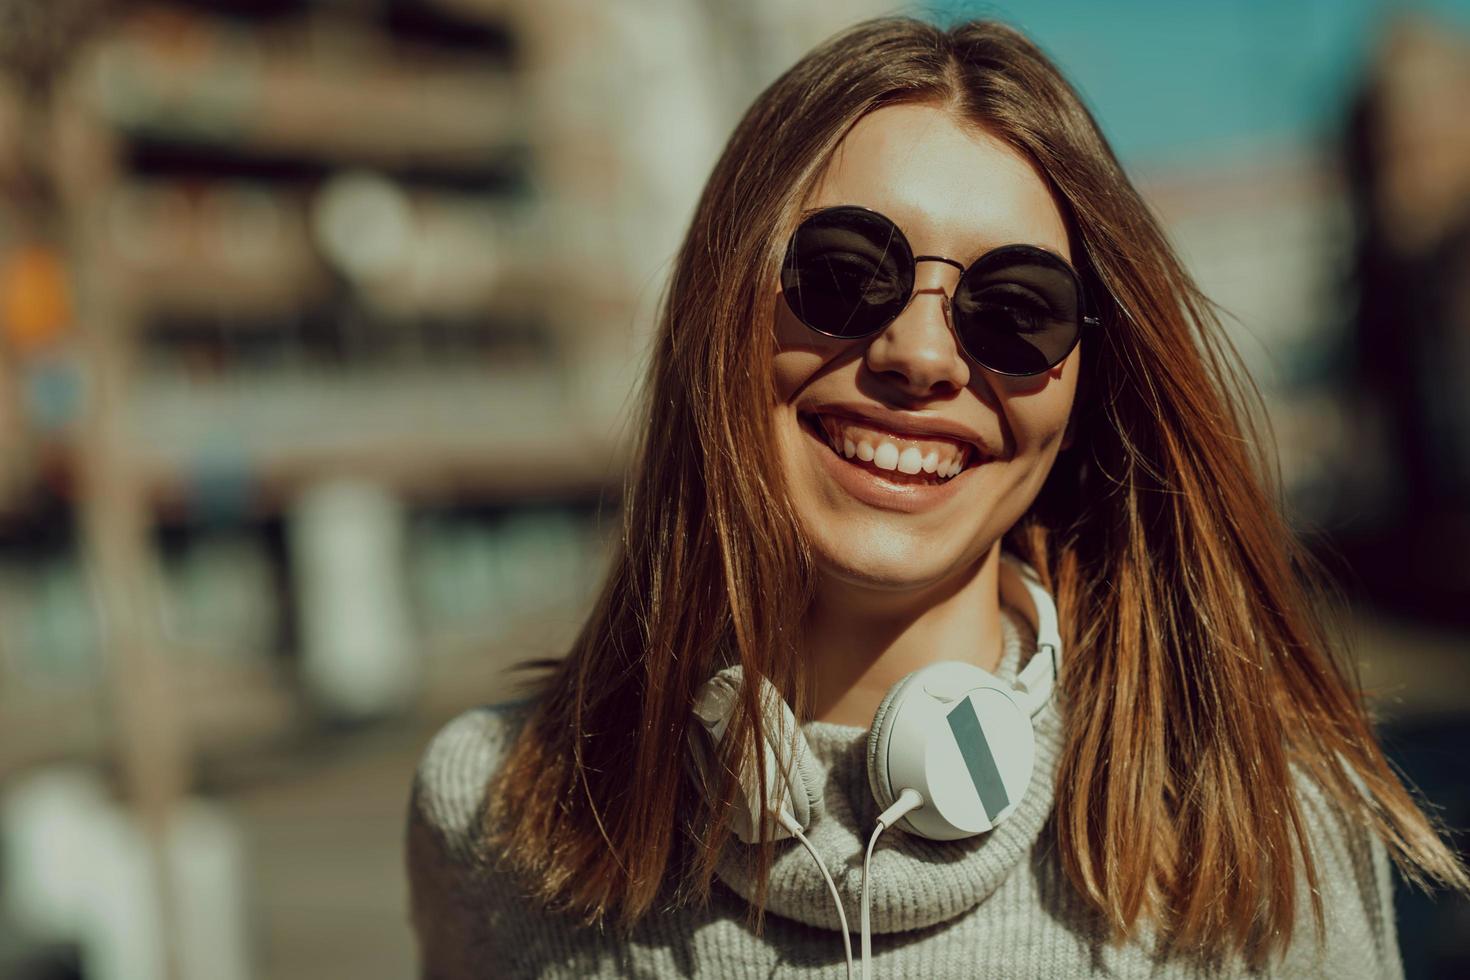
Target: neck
(861, 641)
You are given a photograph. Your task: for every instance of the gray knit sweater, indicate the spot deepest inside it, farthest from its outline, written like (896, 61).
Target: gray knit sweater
(998, 905)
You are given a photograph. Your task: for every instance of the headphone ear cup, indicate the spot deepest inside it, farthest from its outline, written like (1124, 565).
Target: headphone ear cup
(952, 732)
(878, 738)
(794, 779)
(809, 780)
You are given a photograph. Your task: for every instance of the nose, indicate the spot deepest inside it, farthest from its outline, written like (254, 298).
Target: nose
(919, 350)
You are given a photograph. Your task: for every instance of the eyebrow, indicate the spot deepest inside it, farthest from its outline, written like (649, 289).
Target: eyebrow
(969, 260)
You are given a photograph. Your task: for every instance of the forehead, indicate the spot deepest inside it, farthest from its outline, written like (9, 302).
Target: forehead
(955, 189)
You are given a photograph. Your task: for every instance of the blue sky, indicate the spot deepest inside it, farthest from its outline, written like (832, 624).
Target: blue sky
(1183, 82)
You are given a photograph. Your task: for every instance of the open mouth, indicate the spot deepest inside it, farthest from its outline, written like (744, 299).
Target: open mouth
(899, 459)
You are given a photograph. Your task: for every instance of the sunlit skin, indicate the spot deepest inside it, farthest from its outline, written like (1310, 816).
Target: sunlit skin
(896, 591)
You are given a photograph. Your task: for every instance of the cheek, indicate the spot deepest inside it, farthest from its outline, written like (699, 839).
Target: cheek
(801, 354)
(1043, 420)
(1036, 411)
(790, 370)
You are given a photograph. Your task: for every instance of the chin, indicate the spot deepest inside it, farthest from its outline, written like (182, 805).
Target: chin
(889, 562)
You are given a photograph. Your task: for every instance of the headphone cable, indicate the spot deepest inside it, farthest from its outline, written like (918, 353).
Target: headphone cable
(909, 799)
(790, 824)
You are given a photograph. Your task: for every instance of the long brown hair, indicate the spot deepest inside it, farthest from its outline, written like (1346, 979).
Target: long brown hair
(1200, 674)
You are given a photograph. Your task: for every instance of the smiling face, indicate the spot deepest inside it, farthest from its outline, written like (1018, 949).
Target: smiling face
(909, 398)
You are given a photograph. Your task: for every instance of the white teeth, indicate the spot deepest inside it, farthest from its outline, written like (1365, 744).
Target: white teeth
(888, 456)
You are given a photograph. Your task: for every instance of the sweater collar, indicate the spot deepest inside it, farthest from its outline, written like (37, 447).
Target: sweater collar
(914, 882)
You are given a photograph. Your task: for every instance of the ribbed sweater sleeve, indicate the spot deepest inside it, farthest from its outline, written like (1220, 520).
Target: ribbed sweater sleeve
(453, 927)
(1355, 881)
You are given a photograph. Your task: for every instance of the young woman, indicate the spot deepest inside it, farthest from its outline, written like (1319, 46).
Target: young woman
(921, 319)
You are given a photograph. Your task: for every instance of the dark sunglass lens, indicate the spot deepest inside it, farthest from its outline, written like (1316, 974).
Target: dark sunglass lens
(847, 272)
(1018, 310)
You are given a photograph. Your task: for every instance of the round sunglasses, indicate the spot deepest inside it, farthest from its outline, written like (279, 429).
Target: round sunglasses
(1017, 310)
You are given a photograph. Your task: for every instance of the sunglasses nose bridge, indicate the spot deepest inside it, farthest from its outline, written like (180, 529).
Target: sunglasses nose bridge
(943, 295)
(939, 281)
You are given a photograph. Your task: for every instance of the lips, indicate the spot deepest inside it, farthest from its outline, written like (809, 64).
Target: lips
(883, 488)
(891, 452)
(909, 427)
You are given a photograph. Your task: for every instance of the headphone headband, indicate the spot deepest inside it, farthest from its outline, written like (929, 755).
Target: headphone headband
(1025, 592)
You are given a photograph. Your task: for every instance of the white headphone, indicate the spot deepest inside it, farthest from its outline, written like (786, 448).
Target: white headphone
(950, 751)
